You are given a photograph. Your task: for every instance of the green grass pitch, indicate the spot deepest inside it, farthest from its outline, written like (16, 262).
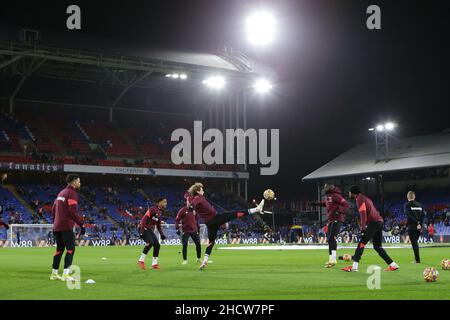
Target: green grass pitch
(293, 274)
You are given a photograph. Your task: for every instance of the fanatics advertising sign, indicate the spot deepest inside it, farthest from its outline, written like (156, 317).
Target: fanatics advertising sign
(31, 167)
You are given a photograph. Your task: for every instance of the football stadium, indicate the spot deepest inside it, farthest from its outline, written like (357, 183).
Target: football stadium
(142, 170)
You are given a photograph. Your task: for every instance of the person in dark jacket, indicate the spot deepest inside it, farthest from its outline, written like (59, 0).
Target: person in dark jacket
(415, 215)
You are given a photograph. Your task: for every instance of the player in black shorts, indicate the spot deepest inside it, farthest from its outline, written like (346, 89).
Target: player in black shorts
(151, 219)
(414, 212)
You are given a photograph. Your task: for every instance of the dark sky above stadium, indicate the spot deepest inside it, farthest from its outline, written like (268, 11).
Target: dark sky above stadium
(336, 77)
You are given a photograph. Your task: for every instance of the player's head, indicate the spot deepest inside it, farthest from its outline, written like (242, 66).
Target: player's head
(195, 189)
(73, 180)
(162, 202)
(328, 187)
(411, 195)
(354, 191)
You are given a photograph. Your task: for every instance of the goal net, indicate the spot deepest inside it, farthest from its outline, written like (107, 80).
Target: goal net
(171, 234)
(30, 235)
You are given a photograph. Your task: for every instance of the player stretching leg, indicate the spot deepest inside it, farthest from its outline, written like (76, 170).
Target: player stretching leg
(371, 229)
(188, 220)
(213, 220)
(336, 206)
(147, 225)
(65, 217)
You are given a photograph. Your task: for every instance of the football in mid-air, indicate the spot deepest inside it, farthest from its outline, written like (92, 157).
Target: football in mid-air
(445, 264)
(269, 194)
(430, 274)
(347, 257)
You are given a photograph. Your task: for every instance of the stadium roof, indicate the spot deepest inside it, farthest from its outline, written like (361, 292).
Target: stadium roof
(418, 152)
(225, 59)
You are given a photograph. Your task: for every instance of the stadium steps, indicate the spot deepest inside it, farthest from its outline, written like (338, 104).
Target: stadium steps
(127, 139)
(16, 194)
(50, 134)
(143, 193)
(116, 223)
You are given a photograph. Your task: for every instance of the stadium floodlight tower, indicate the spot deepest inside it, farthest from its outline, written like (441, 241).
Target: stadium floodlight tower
(382, 133)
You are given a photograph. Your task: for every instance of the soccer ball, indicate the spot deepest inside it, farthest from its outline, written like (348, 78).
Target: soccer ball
(430, 274)
(269, 194)
(347, 257)
(445, 264)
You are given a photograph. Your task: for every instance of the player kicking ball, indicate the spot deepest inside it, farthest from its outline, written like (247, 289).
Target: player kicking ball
(213, 220)
(371, 229)
(151, 219)
(336, 206)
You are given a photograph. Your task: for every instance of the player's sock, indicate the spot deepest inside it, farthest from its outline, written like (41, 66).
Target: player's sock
(154, 261)
(54, 271)
(205, 259)
(66, 272)
(355, 265)
(142, 258)
(393, 265)
(333, 255)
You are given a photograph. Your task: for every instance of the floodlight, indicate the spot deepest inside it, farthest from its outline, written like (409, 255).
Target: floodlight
(215, 82)
(262, 86)
(260, 28)
(389, 126)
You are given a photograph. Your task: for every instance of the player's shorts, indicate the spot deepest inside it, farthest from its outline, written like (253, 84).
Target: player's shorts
(149, 237)
(65, 239)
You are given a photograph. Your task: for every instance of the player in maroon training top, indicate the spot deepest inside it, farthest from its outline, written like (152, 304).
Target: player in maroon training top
(65, 217)
(213, 220)
(4, 224)
(3, 177)
(371, 224)
(188, 220)
(336, 206)
(152, 219)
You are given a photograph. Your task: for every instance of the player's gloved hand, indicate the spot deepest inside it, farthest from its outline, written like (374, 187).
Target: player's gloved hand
(6, 226)
(179, 232)
(163, 237)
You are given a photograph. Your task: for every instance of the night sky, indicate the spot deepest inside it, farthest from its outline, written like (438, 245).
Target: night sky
(336, 77)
